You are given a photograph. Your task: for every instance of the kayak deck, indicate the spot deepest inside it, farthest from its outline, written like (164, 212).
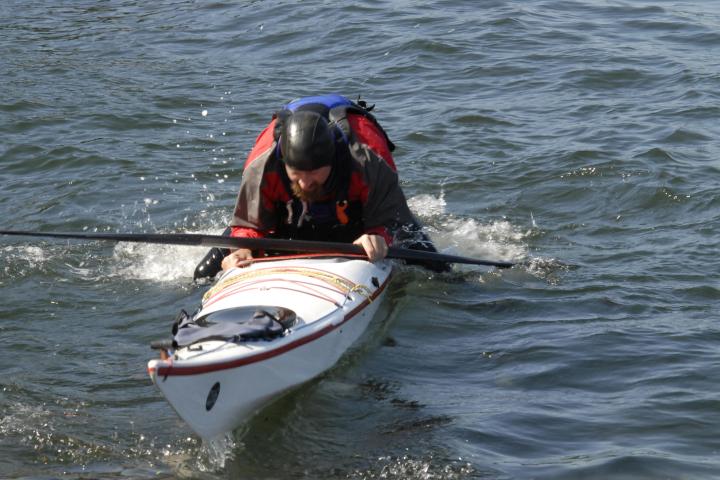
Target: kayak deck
(216, 384)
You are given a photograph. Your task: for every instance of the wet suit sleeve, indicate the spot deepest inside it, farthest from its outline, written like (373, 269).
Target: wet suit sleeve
(254, 214)
(385, 209)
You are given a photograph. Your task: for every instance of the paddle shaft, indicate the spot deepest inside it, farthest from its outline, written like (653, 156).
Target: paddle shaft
(200, 240)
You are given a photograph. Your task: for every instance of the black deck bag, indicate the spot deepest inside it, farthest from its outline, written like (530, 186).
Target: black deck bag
(233, 324)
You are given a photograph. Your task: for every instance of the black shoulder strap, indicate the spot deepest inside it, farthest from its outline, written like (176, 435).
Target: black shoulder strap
(338, 114)
(279, 117)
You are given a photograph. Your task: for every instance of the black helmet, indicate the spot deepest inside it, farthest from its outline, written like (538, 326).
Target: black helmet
(307, 142)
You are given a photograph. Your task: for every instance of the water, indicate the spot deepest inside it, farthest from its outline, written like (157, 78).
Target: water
(577, 137)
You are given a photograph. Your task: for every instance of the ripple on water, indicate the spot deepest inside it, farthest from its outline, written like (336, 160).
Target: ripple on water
(39, 434)
(683, 135)
(610, 79)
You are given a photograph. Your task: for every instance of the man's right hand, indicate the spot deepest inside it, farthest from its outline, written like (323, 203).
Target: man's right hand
(242, 257)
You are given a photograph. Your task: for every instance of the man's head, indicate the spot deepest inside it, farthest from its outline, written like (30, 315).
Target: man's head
(307, 142)
(307, 148)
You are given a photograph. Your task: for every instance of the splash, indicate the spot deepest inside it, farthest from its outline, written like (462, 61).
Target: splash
(21, 419)
(406, 467)
(33, 257)
(428, 206)
(20, 261)
(163, 263)
(210, 456)
(216, 452)
(497, 240)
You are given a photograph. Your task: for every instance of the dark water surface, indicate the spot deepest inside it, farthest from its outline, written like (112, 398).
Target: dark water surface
(580, 137)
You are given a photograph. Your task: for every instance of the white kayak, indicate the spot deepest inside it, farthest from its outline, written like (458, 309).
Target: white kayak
(262, 330)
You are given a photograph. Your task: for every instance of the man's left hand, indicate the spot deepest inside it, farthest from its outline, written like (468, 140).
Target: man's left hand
(376, 248)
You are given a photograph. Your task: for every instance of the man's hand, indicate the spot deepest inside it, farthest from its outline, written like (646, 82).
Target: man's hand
(375, 246)
(242, 257)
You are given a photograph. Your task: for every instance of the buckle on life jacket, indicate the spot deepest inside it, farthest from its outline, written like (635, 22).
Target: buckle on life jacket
(340, 207)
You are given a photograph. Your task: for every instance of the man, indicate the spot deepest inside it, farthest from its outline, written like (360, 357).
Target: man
(323, 170)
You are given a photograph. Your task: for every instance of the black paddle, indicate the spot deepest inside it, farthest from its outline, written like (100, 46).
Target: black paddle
(199, 240)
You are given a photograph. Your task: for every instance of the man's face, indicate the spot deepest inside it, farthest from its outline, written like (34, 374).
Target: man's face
(307, 184)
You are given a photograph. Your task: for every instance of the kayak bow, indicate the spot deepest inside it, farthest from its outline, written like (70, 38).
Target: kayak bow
(216, 382)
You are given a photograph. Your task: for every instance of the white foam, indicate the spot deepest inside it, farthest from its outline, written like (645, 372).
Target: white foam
(162, 263)
(427, 206)
(499, 240)
(22, 259)
(33, 255)
(218, 451)
(496, 240)
(210, 457)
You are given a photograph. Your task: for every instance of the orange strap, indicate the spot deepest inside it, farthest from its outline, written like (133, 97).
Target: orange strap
(340, 208)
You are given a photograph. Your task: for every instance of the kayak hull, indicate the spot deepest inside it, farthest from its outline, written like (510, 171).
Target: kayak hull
(215, 386)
